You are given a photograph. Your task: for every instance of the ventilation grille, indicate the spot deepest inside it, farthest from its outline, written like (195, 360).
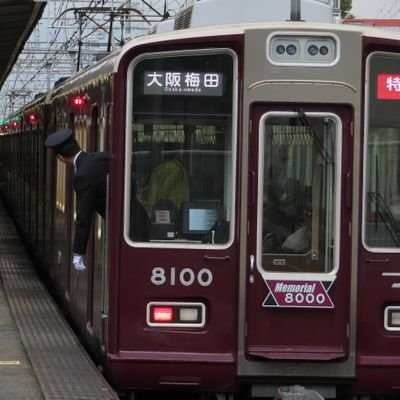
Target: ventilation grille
(183, 19)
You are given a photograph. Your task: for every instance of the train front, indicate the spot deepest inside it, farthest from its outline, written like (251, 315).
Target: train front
(238, 209)
(174, 256)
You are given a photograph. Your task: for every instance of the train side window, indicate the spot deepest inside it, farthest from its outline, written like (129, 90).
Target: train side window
(300, 186)
(381, 208)
(181, 150)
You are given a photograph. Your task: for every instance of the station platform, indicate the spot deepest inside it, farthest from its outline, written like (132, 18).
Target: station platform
(40, 356)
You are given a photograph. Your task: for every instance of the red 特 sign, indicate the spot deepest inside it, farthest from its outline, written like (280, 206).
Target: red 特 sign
(298, 293)
(388, 87)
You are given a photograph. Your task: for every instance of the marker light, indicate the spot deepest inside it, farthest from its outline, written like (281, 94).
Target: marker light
(189, 314)
(392, 318)
(176, 314)
(15, 124)
(162, 314)
(395, 318)
(78, 101)
(32, 117)
(302, 49)
(280, 49)
(324, 50)
(291, 49)
(313, 50)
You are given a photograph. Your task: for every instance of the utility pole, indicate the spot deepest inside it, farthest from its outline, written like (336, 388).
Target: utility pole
(80, 23)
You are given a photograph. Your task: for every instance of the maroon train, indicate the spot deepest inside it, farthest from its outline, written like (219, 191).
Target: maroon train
(252, 238)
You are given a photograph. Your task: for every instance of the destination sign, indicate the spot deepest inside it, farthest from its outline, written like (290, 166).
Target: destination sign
(388, 87)
(183, 83)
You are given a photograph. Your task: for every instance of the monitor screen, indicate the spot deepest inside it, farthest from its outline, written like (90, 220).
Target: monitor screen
(200, 217)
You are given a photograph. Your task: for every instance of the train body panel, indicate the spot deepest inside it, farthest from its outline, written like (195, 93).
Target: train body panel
(251, 236)
(316, 300)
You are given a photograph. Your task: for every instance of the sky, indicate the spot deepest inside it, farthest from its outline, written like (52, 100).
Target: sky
(375, 8)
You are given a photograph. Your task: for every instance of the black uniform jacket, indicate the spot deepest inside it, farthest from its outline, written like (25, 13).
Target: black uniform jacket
(90, 185)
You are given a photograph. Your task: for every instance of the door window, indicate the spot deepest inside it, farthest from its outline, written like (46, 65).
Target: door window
(299, 192)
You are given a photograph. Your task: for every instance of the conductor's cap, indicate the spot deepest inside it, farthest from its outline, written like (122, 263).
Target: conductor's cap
(61, 141)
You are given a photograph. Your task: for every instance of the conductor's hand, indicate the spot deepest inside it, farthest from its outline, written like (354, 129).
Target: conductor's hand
(78, 262)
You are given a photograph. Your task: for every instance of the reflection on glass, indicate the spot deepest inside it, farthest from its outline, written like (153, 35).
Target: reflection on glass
(382, 180)
(383, 188)
(181, 150)
(299, 192)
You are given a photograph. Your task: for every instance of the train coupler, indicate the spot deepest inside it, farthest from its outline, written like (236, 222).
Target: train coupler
(297, 392)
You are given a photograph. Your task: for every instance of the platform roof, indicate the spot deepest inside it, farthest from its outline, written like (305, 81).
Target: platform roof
(17, 20)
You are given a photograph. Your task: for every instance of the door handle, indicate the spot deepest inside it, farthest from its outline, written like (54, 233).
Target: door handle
(378, 261)
(252, 263)
(211, 258)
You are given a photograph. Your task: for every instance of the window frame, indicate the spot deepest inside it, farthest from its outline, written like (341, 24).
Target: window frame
(378, 250)
(128, 147)
(337, 200)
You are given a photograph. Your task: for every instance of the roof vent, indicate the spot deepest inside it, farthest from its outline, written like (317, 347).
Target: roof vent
(183, 19)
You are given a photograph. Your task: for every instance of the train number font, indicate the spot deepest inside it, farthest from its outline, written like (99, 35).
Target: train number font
(186, 276)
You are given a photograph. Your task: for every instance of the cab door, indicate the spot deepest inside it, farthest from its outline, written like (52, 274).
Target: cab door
(298, 254)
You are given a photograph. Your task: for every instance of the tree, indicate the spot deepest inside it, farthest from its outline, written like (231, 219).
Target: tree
(345, 8)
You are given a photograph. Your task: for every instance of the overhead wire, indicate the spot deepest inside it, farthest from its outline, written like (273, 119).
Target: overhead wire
(56, 51)
(67, 44)
(45, 61)
(382, 9)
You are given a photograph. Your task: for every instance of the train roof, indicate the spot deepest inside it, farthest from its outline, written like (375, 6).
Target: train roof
(238, 29)
(89, 75)
(217, 12)
(103, 69)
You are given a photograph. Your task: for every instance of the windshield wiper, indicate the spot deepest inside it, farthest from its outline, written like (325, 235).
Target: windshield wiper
(311, 131)
(386, 216)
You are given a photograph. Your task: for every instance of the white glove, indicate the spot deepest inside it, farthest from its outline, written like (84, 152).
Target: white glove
(78, 262)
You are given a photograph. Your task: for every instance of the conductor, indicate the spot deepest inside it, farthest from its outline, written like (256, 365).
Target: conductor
(90, 185)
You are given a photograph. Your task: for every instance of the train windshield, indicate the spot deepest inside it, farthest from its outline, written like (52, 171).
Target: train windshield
(382, 177)
(300, 191)
(180, 157)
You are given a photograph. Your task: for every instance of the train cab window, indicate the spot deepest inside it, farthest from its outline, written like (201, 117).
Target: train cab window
(299, 188)
(180, 150)
(381, 228)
